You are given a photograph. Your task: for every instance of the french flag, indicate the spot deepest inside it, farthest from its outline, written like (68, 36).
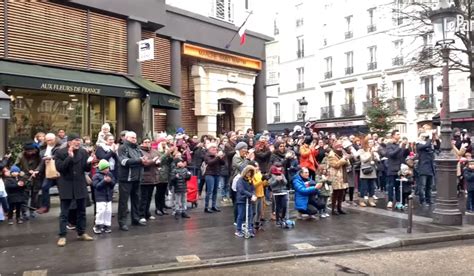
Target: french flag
(242, 34)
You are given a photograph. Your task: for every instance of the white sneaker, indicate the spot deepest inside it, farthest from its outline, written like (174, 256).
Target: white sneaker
(142, 220)
(375, 197)
(151, 218)
(389, 204)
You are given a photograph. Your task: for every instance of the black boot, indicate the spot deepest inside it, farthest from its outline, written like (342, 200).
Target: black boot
(184, 215)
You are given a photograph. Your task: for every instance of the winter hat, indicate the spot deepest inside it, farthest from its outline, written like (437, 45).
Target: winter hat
(14, 169)
(241, 146)
(276, 170)
(72, 136)
(29, 146)
(103, 164)
(180, 130)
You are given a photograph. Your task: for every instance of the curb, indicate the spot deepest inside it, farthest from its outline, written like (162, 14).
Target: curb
(398, 242)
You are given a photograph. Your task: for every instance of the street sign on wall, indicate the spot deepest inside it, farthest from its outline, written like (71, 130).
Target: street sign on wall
(146, 49)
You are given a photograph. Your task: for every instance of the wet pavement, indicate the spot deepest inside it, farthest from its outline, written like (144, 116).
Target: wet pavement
(32, 245)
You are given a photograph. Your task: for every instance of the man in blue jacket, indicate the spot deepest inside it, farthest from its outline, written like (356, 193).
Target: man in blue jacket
(305, 191)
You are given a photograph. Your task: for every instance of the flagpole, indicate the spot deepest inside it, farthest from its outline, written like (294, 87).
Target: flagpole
(227, 46)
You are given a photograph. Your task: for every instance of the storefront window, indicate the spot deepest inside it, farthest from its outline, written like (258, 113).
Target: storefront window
(111, 114)
(96, 113)
(35, 111)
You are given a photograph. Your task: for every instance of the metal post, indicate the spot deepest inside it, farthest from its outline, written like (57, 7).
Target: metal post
(410, 213)
(446, 210)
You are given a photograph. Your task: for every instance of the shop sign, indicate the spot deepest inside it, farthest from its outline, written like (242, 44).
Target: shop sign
(70, 88)
(339, 124)
(146, 49)
(221, 57)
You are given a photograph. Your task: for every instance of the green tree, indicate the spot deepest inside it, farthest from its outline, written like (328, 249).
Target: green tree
(379, 112)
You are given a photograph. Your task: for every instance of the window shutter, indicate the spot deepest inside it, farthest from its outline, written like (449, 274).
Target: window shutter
(108, 43)
(159, 69)
(47, 32)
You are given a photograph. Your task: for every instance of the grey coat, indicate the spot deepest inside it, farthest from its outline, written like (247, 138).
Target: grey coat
(365, 161)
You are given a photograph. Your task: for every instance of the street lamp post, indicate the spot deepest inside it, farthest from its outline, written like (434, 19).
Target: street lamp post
(446, 210)
(303, 108)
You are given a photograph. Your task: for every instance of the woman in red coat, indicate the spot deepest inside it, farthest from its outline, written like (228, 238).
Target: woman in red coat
(308, 157)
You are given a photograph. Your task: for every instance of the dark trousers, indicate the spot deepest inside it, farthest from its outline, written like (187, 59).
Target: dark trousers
(128, 190)
(470, 201)
(311, 208)
(425, 184)
(80, 213)
(392, 184)
(4, 204)
(33, 192)
(280, 206)
(212, 184)
(160, 200)
(350, 192)
(45, 198)
(233, 195)
(15, 206)
(336, 199)
(382, 180)
(146, 193)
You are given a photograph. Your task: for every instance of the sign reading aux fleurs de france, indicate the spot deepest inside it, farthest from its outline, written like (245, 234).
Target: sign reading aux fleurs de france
(146, 49)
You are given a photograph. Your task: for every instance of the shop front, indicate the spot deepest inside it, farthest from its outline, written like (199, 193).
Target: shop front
(46, 99)
(351, 126)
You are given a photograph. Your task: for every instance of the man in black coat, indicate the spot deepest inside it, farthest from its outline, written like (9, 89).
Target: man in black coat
(425, 169)
(72, 162)
(396, 153)
(130, 174)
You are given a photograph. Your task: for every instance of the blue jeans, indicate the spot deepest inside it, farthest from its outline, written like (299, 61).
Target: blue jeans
(224, 185)
(470, 201)
(425, 184)
(45, 199)
(212, 184)
(391, 183)
(367, 187)
(241, 216)
(4, 204)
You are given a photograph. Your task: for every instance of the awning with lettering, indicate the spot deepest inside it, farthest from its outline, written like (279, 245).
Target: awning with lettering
(159, 96)
(38, 77)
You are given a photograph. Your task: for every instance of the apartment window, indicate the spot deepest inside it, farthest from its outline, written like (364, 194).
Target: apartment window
(372, 65)
(349, 63)
(223, 10)
(299, 15)
(398, 91)
(328, 73)
(350, 96)
(371, 27)
(348, 33)
(397, 15)
(277, 112)
(398, 59)
(300, 45)
(372, 91)
(325, 39)
(328, 96)
(300, 80)
(427, 83)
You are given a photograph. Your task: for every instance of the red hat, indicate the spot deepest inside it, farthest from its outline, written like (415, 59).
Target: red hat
(276, 170)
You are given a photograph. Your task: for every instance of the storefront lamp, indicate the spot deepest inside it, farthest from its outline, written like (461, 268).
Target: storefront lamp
(5, 102)
(303, 107)
(444, 20)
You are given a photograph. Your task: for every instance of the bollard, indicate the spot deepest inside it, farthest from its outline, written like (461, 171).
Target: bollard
(410, 213)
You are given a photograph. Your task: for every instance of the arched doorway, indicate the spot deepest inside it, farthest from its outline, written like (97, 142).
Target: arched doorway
(225, 115)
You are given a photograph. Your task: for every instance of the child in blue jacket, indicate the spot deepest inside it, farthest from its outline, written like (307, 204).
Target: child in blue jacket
(245, 194)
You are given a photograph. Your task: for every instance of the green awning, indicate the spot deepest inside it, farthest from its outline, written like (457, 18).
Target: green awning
(30, 76)
(159, 96)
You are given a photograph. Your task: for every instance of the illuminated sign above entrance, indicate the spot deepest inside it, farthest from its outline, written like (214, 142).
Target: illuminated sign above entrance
(221, 57)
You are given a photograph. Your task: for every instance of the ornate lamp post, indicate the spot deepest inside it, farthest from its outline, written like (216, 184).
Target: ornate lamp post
(446, 209)
(303, 108)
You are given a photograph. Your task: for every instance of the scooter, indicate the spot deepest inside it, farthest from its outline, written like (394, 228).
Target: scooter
(246, 225)
(287, 223)
(399, 205)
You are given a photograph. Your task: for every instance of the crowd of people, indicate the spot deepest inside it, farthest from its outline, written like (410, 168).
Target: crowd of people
(253, 171)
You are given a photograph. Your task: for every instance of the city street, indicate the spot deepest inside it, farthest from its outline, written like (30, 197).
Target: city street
(449, 258)
(168, 243)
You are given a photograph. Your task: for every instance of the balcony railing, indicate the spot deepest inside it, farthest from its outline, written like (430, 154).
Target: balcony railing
(369, 104)
(276, 119)
(424, 102)
(300, 86)
(348, 34)
(349, 70)
(299, 22)
(327, 112)
(371, 28)
(372, 65)
(348, 110)
(397, 104)
(328, 75)
(397, 61)
(300, 53)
